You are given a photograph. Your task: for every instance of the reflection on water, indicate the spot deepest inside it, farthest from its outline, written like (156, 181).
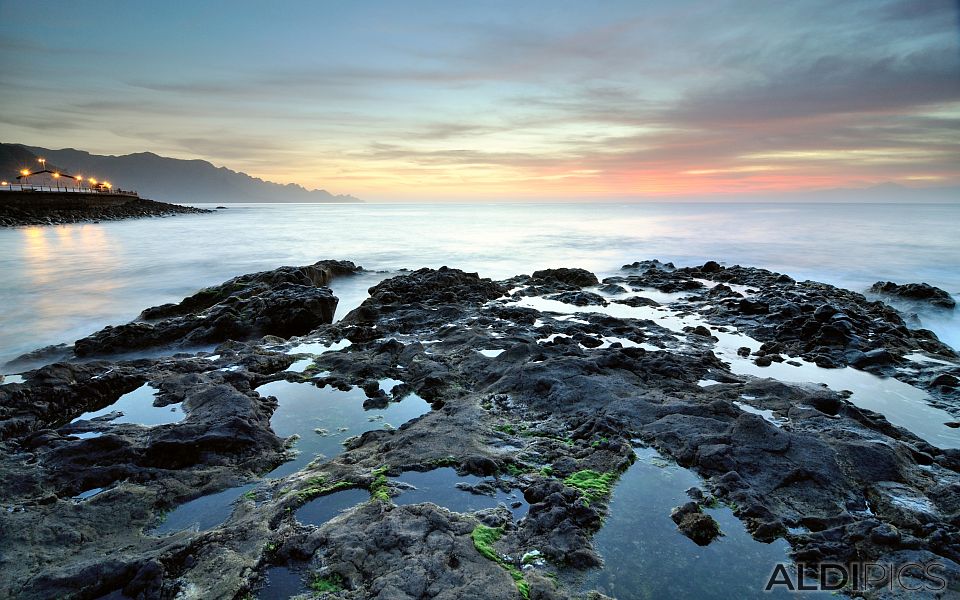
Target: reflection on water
(281, 583)
(320, 510)
(646, 557)
(202, 513)
(137, 407)
(901, 403)
(61, 283)
(322, 418)
(325, 417)
(48, 264)
(439, 486)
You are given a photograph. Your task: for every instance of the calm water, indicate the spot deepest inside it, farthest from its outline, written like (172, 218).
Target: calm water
(325, 417)
(646, 557)
(439, 486)
(322, 418)
(61, 283)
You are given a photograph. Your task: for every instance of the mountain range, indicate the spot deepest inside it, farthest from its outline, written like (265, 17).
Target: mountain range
(162, 178)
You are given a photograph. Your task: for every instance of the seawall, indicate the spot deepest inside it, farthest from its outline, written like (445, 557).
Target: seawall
(32, 200)
(52, 208)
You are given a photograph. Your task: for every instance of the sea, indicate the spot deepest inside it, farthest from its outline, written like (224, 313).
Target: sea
(64, 282)
(61, 283)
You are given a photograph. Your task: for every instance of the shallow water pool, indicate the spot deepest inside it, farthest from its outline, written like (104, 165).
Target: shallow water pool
(320, 510)
(205, 512)
(137, 407)
(325, 417)
(646, 556)
(439, 486)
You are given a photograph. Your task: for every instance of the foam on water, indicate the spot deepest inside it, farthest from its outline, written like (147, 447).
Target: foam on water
(736, 287)
(611, 340)
(901, 403)
(923, 358)
(317, 348)
(62, 283)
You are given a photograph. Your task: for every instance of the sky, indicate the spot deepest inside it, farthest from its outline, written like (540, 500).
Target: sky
(442, 100)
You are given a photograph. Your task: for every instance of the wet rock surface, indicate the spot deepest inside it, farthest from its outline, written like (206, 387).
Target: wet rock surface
(285, 302)
(569, 384)
(695, 524)
(919, 292)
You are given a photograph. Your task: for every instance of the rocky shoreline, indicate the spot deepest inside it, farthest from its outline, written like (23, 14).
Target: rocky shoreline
(541, 386)
(49, 208)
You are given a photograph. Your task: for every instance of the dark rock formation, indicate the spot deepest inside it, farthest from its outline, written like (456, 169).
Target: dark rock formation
(58, 208)
(554, 417)
(572, 277)
(284, 302)
(695, 524)
(918, 292)
(830, 326)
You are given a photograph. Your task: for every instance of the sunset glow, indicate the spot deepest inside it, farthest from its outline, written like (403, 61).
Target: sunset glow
(412, 100)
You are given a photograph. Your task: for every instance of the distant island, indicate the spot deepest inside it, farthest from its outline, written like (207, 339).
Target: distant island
(167, 179)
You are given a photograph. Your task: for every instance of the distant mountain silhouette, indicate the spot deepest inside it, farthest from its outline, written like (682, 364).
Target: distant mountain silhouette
(161, 178)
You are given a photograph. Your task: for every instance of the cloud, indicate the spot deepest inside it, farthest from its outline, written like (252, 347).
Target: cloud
(830, 85)
(628, 97)
(942, 13)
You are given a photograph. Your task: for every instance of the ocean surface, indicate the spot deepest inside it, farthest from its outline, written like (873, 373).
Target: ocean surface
(62, 283)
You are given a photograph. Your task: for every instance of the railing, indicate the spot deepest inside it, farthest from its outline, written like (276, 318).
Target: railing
(26, 187)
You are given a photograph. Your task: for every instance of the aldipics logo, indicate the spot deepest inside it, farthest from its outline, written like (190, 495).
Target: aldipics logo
(858, 577)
